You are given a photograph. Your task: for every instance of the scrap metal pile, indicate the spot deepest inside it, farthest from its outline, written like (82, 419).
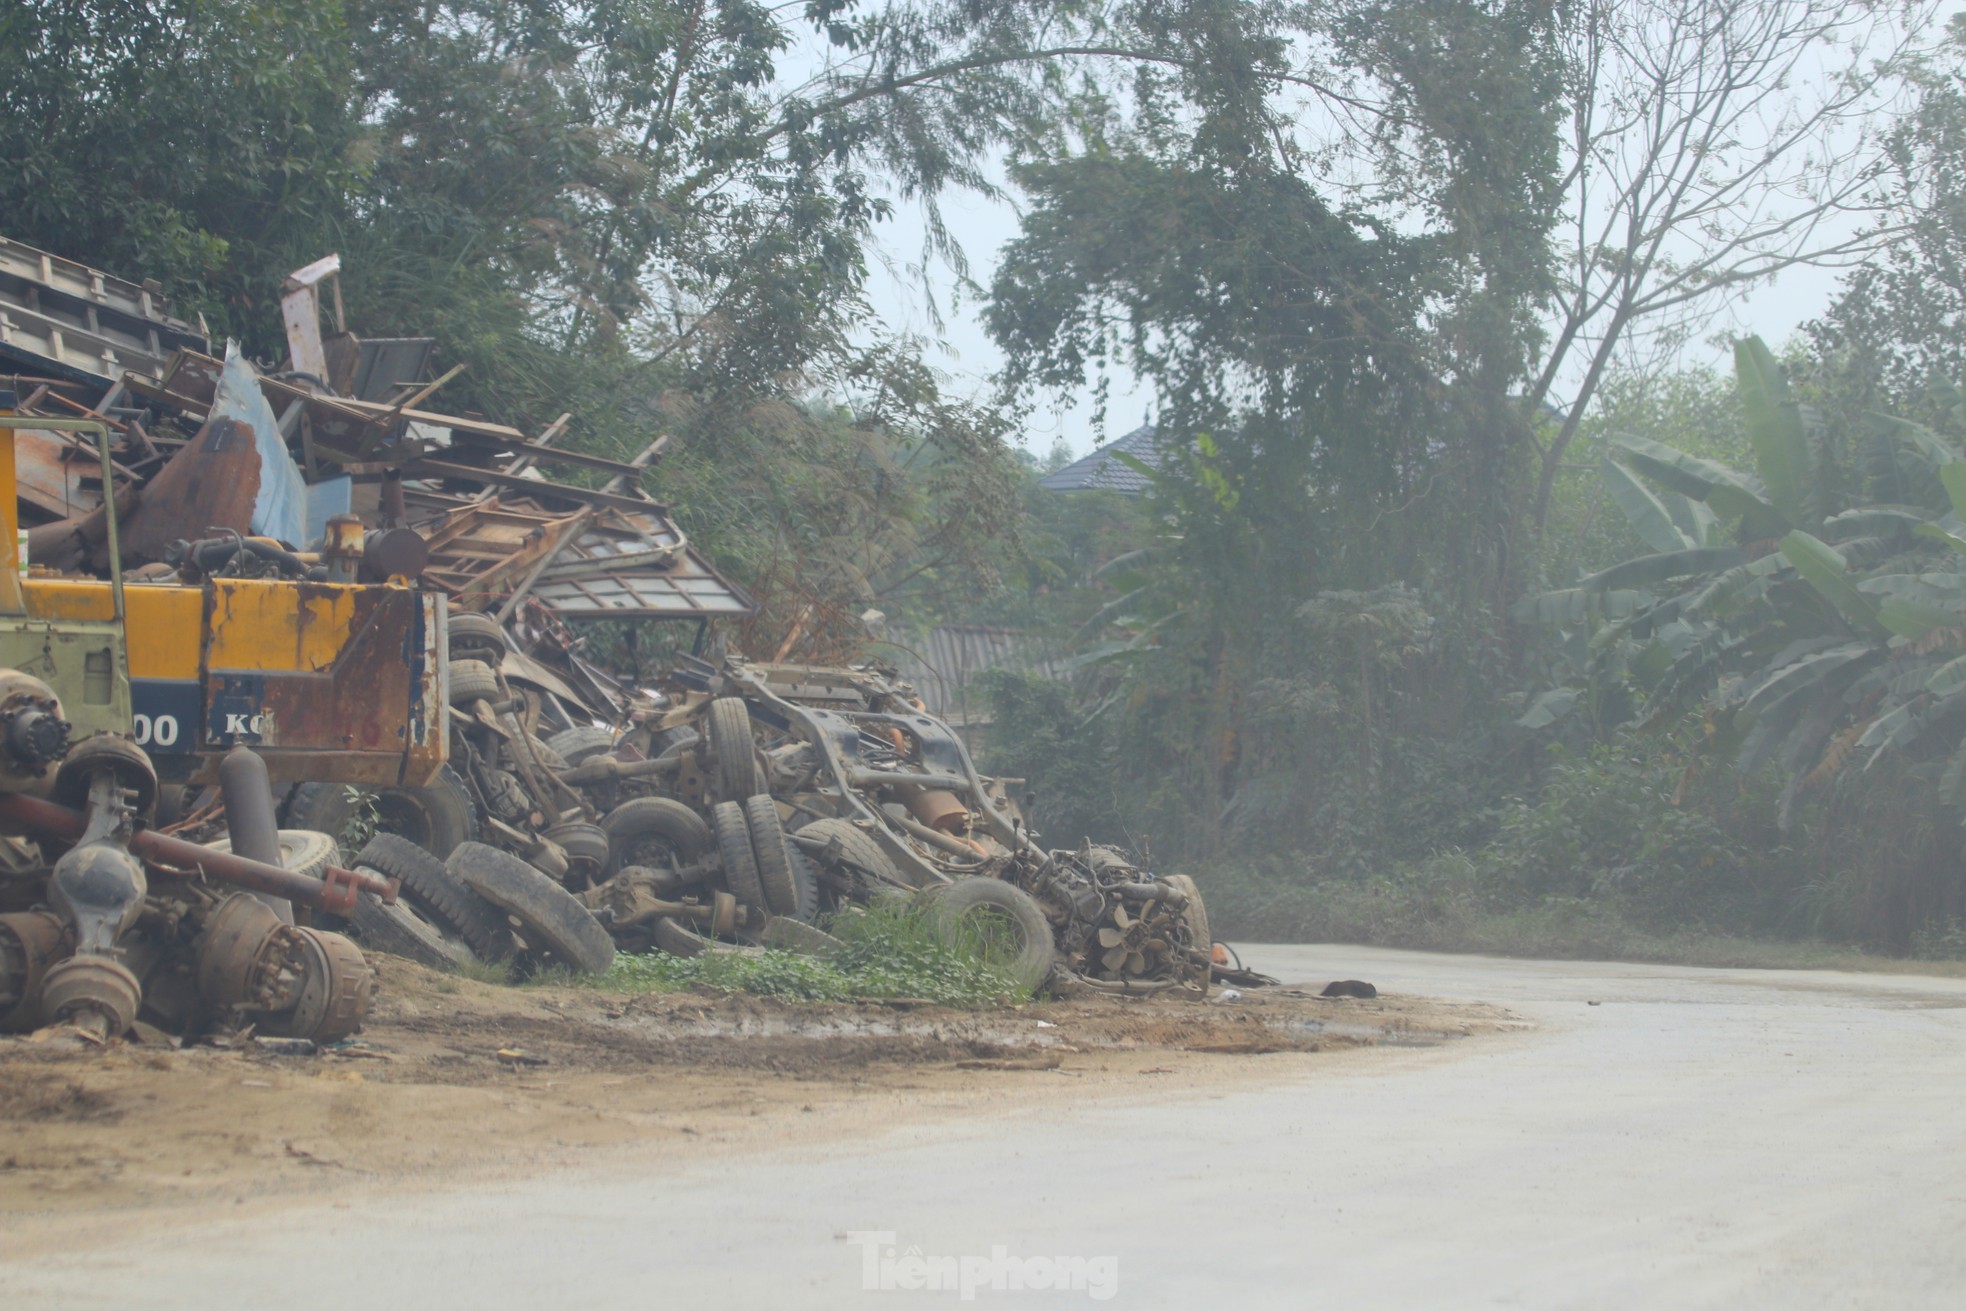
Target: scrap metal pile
(745, 804)
(792, 791)
(105, 921)
(726, 806)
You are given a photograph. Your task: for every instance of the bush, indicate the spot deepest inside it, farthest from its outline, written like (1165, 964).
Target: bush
(1639, 826)
(1883, 865)
(1625, 842)
(1040, 734)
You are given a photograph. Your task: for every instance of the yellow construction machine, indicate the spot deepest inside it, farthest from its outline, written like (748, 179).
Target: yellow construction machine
(337, 680)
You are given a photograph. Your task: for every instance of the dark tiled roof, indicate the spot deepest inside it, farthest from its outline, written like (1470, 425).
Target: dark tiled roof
(1101, 470)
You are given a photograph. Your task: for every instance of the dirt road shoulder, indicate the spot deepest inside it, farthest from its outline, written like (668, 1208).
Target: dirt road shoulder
(454, 1082)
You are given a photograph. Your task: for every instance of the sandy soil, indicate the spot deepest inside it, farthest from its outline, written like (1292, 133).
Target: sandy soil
(455, 1082)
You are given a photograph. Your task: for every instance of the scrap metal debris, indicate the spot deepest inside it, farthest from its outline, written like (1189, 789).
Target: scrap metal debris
(559, 810)
(109, 924)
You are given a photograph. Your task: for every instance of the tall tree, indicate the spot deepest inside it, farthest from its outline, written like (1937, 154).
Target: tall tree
(1899, 323)
(1710, 145)
(208, 144)
(1334, 362)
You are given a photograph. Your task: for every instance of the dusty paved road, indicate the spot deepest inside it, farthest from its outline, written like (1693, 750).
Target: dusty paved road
(1699, 1138)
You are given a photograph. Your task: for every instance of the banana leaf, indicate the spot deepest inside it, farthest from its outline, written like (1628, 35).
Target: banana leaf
(1902, 725)
(1795, 675)
(1770, 729)
(1827, 572)
(1912, 620)
(1575, 605)
(1914, 437)
(1939, 534)
(1730, 493)
(1952, 782)
(1938, 587)
(1646, 509)
(1663, 567)
(1875, 521)
(1777, 429)
(1549, 707)
(1947, 677)
(1111, 611)
(1737, 587)
(1953, 478)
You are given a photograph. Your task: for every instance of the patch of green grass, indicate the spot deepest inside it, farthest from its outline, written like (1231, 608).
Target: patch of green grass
(887, 951)
(486, 971)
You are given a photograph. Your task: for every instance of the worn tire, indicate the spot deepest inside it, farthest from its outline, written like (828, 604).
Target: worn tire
(304, 851)
(578, 745)
(472, 633)
(174, 802)
(584, 843)
(472, 680)
(857, 848)
(665, 740)
(733, 833)
(435, 817)
(538, 753)
(438, 897)
(1016, 934)
(1196, 914)
(812, 893)
(549, 915)
(401, 931)
(788, 889)
(678, 939)
(735, 751)
(633, 827)
(791, 935)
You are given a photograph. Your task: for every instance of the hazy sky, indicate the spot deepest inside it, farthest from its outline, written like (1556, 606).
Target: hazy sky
(967, 354)
(971, 360)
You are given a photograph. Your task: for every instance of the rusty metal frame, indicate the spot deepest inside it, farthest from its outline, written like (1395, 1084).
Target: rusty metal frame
(101, 431)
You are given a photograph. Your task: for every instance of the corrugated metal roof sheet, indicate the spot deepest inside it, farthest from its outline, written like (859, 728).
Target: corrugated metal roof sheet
(943, 664)
(1101, 470)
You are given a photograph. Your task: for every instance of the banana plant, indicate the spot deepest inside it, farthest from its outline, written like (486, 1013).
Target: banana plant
(1709, 527)
(1816, 632)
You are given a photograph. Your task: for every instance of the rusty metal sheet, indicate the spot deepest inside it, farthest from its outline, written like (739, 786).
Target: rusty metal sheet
(51, 476)
(327, 680)
(235, 473)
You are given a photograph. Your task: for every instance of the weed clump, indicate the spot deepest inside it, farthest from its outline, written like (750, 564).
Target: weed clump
(886, 951)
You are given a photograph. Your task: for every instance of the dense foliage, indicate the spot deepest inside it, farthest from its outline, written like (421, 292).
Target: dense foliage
(1445, 599)
(1304, 676)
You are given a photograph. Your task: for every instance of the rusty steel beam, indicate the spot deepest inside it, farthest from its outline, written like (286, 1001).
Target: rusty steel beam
(334, 893)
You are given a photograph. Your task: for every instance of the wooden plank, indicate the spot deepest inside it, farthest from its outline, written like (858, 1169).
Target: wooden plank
(425, 392)
(376, 410)
(533, 453)
(427, 468)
